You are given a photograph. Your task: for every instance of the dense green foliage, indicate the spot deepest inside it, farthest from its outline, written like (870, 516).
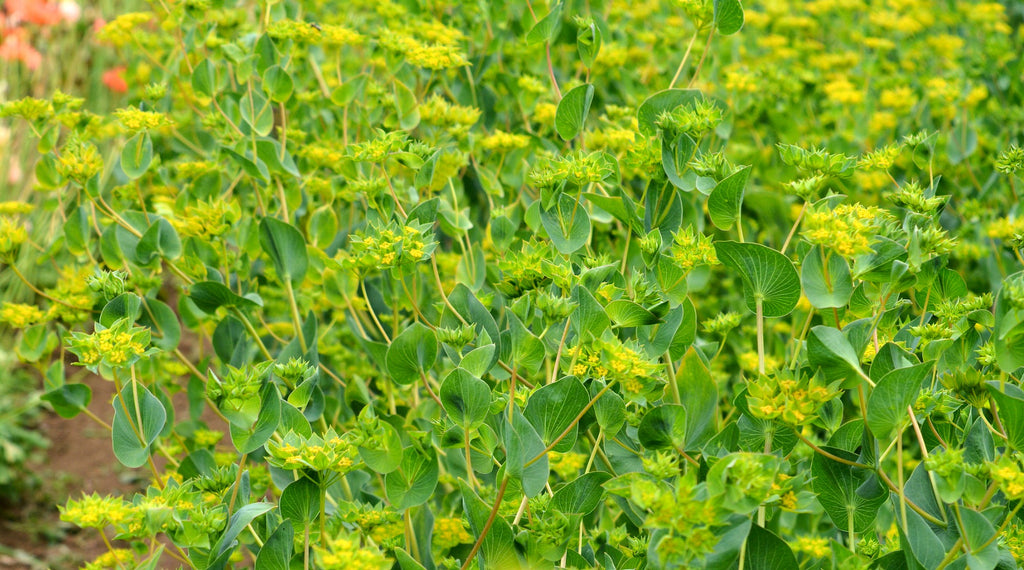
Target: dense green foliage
(593, 284)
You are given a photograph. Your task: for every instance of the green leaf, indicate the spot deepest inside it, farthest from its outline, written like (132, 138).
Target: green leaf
(979, 534)
(414, 481)
(406, 561)
(1008, 335)
(609, 409)
(162, 322)
(588, 43)
(581, 495)
(300, 502)
(527, 350)
(845, 492)
(69, 400)
(728, 16)
(826, 288)
(124, 306)
(571, 114)
(767, 275)
(286, 247)
(726, 199)
(249, 439)
(160, 240)
(766, 551)
(1010, 403)
(829, 349)
(545, 28)
(276, 553)
(589, 317)
(664, 427)
(204, 79)
(349, 90)
(887, 405)
(136, 428)
(257, 112)
(553, 408)
(137, 155)
(386, 454)
(466, 398)
(626, 313)
(662, 101)
(498, 547)
(522, 444)
(278, 84)
(478, 361)
(238, 521)
(675, 160)
(699, 395)
(210, 295)
(567, 224)
(411, 353)
(407, 106)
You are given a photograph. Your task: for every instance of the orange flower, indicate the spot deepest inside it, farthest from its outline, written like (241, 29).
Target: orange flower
(15, 47)
(38, 12)
(114, 80)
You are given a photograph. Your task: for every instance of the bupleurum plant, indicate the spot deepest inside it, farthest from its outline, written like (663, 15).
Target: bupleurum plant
(429, 277)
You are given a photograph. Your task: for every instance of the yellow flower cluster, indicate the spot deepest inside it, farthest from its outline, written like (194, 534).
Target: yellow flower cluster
(795, 401)
(12, 235)
(749, 362)
(612, 139)
(120, 345)
(73, 297)
(14, 208)
(387, 247)
(814, 547)
(28, 108)
(455, 118)
(1005, 228)
(207, 220)
(612, 360)
(94, 511)
(320, 155)
(346, 553)
(119, 31)
(134, 119)
(1006, 473)
(691, 249)
(847, 229)
(307, 32)
(450, 532)
(568, 464)
(79, 161)
(19, 315)
(500, 141)
(842, 91)
(116, 558)
(329, 452)
(434, 56)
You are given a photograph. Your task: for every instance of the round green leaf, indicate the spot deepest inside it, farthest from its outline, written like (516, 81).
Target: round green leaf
(572, 111)
(554, 407)
(726, 199)
(69, 400)
(887, 405)
(829, 288)
(300, 502)
(414, 481)
(286, 247)
(278, 84)
(137, 155)
(767, 275)
(728, 16)
(662, 101)
(664, 427)
(567, 224)
(411, 353)
(466, 398)
(132, 440)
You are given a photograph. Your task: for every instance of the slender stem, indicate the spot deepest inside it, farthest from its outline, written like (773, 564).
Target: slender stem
(296, 319)
(487, 525)
(759, 309)
(686, 56)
